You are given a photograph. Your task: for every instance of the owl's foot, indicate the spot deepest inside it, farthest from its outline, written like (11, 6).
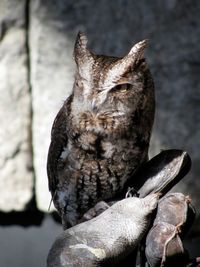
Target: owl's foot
(131, 192)
(95, 211)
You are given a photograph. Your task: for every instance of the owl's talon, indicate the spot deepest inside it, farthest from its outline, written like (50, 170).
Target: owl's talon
(131, 193)
(95, 211)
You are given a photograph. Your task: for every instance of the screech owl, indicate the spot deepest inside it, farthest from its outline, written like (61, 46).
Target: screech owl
(102, 132)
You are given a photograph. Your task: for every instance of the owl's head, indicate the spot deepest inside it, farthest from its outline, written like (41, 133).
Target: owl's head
(110, 85)
(99, 77)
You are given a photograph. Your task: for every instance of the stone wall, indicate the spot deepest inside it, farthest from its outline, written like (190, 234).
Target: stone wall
(16, 172)
(36, 75)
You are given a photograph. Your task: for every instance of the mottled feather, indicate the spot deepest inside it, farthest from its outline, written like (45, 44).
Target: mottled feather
(102, 132)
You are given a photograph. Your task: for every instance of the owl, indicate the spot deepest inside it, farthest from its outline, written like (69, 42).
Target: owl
(101, 134)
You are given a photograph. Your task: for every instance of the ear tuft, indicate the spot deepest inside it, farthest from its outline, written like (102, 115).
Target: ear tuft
(80, 48)
(83, 57)
(137, 51)
(81, 41)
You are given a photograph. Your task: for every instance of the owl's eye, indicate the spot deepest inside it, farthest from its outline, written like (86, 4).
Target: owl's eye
(122, 88)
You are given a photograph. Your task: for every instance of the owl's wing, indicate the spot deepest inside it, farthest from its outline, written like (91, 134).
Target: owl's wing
(59, 141)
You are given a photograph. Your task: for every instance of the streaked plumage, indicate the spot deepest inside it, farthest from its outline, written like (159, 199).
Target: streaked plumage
(102, 132)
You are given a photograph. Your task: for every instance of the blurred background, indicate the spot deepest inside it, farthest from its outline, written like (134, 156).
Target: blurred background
(36, 76)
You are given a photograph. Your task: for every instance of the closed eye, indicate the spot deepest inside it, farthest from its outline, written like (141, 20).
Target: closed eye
(122, 88)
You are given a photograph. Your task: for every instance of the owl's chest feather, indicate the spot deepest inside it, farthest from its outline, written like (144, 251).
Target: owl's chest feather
(107, 134)
(98, 169)
(100, 155)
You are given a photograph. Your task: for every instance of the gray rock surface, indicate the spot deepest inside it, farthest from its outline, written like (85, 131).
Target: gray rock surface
(51, 80)
(173, 29)
(16, 177)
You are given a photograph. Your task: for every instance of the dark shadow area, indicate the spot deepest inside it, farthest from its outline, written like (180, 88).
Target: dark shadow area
(25, 219)
(29, 217)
